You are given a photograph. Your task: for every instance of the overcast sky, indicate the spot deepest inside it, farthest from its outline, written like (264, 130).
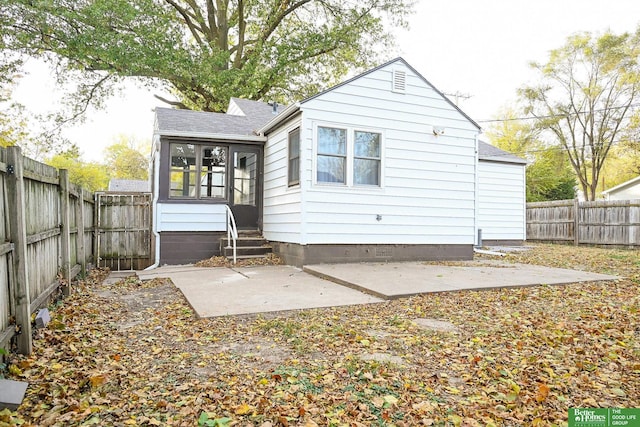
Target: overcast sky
(479, 48)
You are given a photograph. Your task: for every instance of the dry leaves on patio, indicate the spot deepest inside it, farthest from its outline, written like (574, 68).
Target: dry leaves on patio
(134, 354)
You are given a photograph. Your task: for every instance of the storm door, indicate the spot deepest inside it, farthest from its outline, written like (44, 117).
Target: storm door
(245, 196)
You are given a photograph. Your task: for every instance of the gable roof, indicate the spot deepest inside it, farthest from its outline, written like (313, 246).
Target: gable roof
(625, 185)
(294, 107)
(490, 153)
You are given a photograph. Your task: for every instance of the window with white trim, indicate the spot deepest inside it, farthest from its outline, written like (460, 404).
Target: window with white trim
(348, 156)
(294, 157)
(332, 155)
(366, 158)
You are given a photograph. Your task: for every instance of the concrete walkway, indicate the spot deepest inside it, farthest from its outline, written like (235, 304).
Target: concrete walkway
(244, 290)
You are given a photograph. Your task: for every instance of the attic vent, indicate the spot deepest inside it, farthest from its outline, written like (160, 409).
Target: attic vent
(399, 81)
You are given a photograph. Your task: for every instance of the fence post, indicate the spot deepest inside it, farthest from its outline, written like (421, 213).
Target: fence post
(576, 222)
(81, 255)
(19, 286)
(65, 236)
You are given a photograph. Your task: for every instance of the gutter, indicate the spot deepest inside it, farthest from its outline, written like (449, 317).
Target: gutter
(218, 136)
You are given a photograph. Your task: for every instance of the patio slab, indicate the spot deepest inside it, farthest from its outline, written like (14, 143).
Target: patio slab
(396, 280)
(231, 291)
(246, 290)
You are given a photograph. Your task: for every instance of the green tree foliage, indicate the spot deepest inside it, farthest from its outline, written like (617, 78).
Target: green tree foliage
(205, 51)
(91, 176)
(585, 98)
(549, 174)
(125, 159)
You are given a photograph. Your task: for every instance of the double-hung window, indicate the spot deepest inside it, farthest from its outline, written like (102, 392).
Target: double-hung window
(366, 158)
(348, 156)
(197, 171)
(294, 157)
(332, 155)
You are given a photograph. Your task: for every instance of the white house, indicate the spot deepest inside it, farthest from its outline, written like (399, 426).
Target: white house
(626, 191)
(380, 167)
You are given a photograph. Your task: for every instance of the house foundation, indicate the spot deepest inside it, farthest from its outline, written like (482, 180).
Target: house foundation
(299, 255)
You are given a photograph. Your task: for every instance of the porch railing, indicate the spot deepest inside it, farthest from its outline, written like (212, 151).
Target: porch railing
(232, 232)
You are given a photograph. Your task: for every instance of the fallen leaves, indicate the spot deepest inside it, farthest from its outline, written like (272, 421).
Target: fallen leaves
(134, 353)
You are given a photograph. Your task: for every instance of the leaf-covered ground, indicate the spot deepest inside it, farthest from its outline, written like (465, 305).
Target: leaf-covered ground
(135, 354)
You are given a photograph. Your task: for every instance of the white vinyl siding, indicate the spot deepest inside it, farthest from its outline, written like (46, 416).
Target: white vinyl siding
(191, 217)
(282, 203)
(502, 204)
(428, 191)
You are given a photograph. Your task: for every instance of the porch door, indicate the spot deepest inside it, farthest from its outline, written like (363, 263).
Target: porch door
(245, 198)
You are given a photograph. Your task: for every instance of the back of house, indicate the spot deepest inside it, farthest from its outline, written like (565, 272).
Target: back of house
(381, 167)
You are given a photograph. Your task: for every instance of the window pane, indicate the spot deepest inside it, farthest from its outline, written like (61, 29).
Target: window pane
(332, 141)
(367, 144)
(294, 170)
(294, 157)
(182, 184)
(213, 172)
(331, 169)
(182, 180)
(366, 172)
(183, 155)
(244, 178)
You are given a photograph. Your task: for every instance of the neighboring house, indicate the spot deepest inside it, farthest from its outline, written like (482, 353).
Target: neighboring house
(381, 167)
(502, 204)
(626, 191)
(129, 185)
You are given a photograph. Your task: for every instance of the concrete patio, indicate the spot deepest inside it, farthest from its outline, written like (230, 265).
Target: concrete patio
(245, 290)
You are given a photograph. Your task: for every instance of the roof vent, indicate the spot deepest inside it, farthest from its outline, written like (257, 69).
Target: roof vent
(399, 81)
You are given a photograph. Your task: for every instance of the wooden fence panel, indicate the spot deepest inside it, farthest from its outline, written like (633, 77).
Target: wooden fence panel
(88, 206)
(42, 210)
(124, 223)
(48, 228)
(606, 222)
(5, 257)
(551, 221)
(32, 232)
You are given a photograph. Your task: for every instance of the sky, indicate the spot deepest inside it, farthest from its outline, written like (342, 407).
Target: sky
(479, 48)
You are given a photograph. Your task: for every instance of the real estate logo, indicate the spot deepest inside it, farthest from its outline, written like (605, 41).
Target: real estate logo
(588, 417)
(604, 417)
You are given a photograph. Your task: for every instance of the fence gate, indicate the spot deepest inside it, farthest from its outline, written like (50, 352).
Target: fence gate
(123, 224)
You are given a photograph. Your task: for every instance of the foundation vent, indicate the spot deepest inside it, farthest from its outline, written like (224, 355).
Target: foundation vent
(383, 252)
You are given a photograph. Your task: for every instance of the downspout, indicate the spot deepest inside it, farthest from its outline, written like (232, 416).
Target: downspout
(154, 204)
(476, 207)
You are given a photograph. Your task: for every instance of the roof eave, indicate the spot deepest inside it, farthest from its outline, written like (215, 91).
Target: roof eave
(207, 135)
(502, 160)
(622, 186)
(285, 115)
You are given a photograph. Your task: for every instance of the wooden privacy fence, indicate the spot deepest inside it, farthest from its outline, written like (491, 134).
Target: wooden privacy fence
(614, 222)
(48, 235)
(46, 227)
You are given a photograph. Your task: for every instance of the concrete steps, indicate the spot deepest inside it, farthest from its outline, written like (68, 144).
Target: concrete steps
(249, 245)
